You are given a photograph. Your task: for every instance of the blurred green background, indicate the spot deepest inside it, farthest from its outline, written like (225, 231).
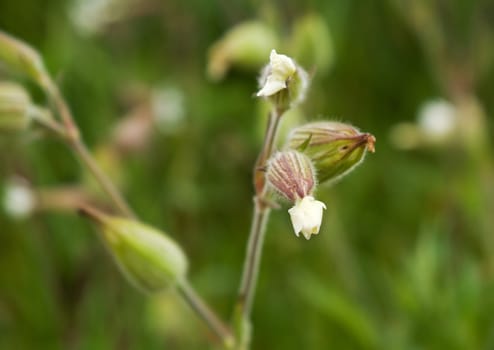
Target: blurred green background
(405, 256)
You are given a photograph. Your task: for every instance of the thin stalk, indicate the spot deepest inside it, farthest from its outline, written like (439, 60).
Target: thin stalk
(205, 313)
(74, 139)
(256, 236)
(253, 258)
(44, 118)
(87, 159)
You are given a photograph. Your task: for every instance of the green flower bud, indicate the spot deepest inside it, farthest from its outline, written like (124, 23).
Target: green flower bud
(21, 57)
(14, 107)
(334, 148)
(245, 45)
(147, 257)
(312, 44)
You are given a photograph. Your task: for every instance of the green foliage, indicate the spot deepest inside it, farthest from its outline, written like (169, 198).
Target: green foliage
(404, 258)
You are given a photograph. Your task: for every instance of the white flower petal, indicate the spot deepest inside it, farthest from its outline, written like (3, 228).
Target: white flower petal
(271, 87)
(306, 216)
(281, 68)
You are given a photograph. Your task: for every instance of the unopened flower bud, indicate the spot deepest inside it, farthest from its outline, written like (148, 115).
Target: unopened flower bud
(283, 81)
(21, 57)
(334, 148)
(312, 43)
(147, 257)
(14, 107)
(291, 174)
(245, 45)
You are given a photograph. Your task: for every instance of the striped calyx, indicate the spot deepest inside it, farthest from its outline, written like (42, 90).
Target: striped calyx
(150, 259)
(334, 148)
(291, 174)
(14, 107)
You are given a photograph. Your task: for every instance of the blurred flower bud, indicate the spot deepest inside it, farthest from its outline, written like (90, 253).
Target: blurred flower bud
(406, 136)
(245, 45)
(291, 174)
(334, 148)
(283, 82)
(21, 57)
(312, 44)
(147, 257)
(14, 107)
(19, 201)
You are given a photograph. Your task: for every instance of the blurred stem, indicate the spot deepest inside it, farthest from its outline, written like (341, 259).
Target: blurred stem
(256, 237)
(73, 138)
(205, 313)
(44, 118)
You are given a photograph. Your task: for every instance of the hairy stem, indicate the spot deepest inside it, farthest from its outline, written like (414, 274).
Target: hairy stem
(256, 237)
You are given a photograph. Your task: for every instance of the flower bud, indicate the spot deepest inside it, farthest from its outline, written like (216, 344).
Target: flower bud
(245, 45)
(14, 107)
(334, 148)
(291, 174)
(148, 258)
(21, 57)
(311, 43)
(283, 82)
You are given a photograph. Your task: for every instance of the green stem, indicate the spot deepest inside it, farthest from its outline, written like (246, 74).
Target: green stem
(75, 141)
(71, 134)
(106, 184)
(44, 118)
(206, 314)
(256, 236)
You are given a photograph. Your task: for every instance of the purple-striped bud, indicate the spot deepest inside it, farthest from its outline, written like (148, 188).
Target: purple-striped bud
(291, 174)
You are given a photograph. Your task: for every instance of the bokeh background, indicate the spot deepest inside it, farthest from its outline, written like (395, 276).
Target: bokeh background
(163, 93)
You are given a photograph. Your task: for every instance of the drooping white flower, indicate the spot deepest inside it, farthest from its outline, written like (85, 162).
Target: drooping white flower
(280, 69)
(291, 174)
(306, 216)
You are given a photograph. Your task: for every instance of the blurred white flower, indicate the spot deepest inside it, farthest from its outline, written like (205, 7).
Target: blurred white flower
(168, 108)
(306, 216)
(437, 119)
(91, 16)
(19, 201)
(279, 70)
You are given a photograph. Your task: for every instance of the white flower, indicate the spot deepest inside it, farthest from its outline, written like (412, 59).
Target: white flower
(280, 69)
(437, 119)
(306, 216)
(19, 200)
